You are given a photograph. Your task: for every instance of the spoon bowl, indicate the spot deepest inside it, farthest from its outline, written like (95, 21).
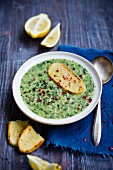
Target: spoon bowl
(104, 67)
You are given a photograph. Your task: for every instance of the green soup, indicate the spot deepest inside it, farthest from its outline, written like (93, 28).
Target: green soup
(45, 98)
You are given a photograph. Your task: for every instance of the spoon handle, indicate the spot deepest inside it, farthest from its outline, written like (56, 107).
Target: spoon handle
(97, 125)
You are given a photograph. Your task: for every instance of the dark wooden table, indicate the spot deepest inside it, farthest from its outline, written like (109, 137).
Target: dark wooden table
(84, 23)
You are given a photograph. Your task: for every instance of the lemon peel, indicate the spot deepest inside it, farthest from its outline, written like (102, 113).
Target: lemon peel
(37, 163)
(38, 26)
(52, 38)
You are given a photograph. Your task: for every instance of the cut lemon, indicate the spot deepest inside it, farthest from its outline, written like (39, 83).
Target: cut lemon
(38, 26)
(52, 38)
(37, 163)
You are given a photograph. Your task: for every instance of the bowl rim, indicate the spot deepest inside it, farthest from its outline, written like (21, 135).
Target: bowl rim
(28, 64)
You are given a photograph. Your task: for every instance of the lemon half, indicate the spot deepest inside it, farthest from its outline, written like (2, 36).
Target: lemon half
(37, 163)
(52, 38)
(38, 26)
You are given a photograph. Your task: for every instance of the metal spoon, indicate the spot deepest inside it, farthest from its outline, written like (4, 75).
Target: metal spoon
(104, 68)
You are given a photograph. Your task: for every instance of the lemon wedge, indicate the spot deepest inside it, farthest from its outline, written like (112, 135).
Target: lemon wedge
(52, 38)
(38, 26)
(37, 163)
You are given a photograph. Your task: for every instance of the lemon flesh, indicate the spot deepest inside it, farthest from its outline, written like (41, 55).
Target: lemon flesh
(38, 26)
(52, 38)
(37, 163)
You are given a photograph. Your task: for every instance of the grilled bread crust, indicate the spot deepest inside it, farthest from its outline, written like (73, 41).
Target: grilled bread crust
(65, 78)
(15, 128)
(29, 140)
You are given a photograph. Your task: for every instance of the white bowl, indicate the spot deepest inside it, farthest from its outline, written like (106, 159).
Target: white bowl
(56, 55)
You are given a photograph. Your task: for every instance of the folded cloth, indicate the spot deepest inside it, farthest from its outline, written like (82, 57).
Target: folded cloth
(77, 136)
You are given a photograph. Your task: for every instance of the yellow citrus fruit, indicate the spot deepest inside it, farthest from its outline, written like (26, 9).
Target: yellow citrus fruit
(37, 163)
(38, 26)
(52, 38)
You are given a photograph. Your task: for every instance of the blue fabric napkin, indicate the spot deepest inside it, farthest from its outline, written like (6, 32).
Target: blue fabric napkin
(77, 136)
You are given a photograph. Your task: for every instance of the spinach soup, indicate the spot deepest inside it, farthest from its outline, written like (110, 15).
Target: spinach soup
(46, 99)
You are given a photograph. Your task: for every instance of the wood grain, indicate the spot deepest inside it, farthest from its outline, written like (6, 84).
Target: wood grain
(87, 24)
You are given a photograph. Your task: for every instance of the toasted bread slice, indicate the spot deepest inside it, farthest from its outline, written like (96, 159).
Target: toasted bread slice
(29, 140)
(15, 128)
(65, 78)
